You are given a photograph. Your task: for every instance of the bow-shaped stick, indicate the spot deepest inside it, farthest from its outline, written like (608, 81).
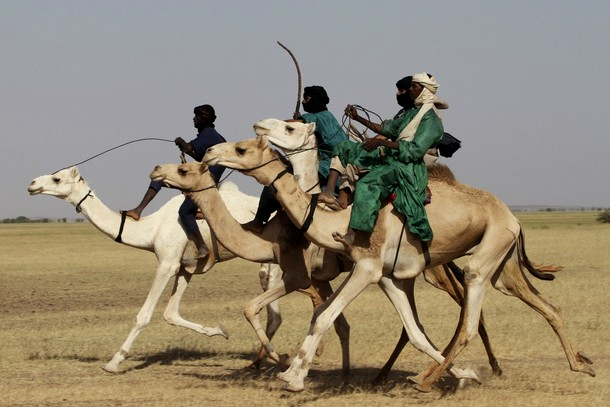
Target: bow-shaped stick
(296, 64)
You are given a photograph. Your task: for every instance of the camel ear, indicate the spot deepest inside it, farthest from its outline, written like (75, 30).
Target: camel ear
(74, 172)
(311, 128)
(202, 168)
(262, 141)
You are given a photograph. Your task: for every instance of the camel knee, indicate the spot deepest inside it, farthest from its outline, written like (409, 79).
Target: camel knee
(250, 311)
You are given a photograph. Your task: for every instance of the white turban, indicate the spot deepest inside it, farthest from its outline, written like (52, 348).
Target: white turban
(426, 81)
(425, 101)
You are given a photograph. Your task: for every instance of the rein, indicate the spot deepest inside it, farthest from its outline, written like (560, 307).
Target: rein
(114, 148)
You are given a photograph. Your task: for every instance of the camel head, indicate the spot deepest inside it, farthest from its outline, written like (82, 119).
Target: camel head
(250, 157)
(60, 184)
(192, 176)
(289, 136)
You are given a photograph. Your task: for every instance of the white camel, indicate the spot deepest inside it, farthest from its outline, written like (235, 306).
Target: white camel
(463, 219)
(161, 233)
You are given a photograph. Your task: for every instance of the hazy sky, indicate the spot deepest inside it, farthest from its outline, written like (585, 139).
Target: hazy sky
(527, 82)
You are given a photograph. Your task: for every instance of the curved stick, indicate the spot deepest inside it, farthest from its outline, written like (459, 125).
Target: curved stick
(296, 64)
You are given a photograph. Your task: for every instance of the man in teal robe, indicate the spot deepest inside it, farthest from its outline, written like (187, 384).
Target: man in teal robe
(396, 164)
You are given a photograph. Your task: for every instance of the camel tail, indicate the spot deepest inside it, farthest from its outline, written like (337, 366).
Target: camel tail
(540, 271)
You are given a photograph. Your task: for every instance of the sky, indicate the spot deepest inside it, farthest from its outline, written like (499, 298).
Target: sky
(528, 84)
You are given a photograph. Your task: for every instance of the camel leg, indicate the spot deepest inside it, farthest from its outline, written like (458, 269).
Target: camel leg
(324, 317)
(172, 311)
(401, 295)
(290, 282)
(512, 282)
(382, 376)
(164, 272)
(489, 257)
(341, 325)
(270, 275)
(450, 278)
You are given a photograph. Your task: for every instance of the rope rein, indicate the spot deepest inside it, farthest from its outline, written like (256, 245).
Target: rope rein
(114, 148)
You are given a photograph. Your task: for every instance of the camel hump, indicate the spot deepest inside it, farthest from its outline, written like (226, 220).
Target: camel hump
(441, 173)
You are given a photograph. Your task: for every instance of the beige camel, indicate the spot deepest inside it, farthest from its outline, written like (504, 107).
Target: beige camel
(464, 219)
(306, 266)
(323, 265)
(162, 234)
(299, 143)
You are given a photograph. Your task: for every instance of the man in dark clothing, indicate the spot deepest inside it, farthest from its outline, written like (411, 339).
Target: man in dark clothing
(328, 134)
(196, 148)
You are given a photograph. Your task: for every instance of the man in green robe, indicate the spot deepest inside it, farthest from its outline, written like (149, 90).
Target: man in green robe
(396, 164)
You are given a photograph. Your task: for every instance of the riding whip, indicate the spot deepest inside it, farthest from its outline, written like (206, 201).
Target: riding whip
(296, 64)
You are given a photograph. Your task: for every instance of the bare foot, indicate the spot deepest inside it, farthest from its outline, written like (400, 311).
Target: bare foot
(331, 202)
(347, 239)
(132, 214)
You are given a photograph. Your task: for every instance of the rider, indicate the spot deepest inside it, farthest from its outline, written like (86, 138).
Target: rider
(395, 159)
(328, 134)
(207, 136)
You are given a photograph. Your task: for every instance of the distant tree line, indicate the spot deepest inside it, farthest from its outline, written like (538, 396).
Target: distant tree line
(604, 217)
(24, 219)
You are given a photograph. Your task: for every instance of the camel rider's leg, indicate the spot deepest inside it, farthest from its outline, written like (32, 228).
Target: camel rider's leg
(266, 206)
(187, 212)
(151, 192)
(328, 194)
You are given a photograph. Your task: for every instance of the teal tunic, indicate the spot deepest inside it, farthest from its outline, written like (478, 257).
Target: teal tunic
(401, 171)
(328, 134)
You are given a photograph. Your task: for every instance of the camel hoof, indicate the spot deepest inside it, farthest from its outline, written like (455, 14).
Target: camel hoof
(497, 370)
(224, 331)
(112, 369)
(294, 388)
(423, 387)
(284, 376)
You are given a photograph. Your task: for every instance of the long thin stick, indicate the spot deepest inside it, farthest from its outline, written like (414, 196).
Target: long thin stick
(296, 64)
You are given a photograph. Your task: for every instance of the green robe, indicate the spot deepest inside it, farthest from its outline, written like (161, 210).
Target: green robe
(401, 171)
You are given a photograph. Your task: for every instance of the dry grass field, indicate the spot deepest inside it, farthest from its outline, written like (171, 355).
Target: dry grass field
(68, 297)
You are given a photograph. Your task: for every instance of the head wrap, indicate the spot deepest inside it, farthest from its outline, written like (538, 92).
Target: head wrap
(427, 81)
(404, 83)
(316, 92)
(318, 99)
(206, 111)
(425, 101)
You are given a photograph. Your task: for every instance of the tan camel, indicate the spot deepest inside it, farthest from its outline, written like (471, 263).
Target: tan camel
(161, 233)
(307, 267)
(464, 219)
(299, 143)
(324, 265)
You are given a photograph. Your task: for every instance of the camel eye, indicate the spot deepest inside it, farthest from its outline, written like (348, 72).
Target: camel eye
(56, 180)
(290, 129)
(240, 150)
(182, 171)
